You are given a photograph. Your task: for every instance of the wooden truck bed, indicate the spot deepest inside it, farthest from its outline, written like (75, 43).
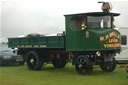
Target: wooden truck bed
(37, 42)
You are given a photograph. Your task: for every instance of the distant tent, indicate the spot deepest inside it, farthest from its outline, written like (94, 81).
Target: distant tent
(34, 35)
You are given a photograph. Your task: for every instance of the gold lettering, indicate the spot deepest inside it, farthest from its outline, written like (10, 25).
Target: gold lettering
(111, 45)
(43, 46)
(106, 37)
(101, 38)
(105, 45)
(36, 46)
(22, 46)
(28, 46)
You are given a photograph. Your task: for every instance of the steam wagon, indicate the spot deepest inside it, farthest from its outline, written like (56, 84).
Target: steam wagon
(89, 39)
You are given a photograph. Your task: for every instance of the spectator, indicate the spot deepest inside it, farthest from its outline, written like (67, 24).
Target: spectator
(127, 70)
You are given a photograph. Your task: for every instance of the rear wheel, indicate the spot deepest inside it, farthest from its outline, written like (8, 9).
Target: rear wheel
(83, 65)
(109, 66)
(59, 61)
(34, 61)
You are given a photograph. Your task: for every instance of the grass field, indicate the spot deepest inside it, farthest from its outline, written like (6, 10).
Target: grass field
(20, 75)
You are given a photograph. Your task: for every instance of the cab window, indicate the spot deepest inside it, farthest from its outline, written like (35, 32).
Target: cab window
(99, 22)
(76, 22)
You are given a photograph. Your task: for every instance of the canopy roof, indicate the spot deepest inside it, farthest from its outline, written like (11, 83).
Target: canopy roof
(95, 14)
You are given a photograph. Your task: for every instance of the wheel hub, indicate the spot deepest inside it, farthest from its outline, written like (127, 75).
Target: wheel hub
(83, 65)
(32, 61)
(80, 66)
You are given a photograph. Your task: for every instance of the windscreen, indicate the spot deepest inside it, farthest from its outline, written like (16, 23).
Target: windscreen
(99, 21)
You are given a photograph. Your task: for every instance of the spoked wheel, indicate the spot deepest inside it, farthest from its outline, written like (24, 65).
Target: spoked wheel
(109, 66)
(33, 61)
(59, 61)
(83, 65)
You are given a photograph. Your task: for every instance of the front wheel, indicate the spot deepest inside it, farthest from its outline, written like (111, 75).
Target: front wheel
(83, 65)
(59, 61)
(109, 66)
(34, 61)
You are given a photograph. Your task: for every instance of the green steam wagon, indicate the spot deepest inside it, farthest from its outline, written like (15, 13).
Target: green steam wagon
(89, 39)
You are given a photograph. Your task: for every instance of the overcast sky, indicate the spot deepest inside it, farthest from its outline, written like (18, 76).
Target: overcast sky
(20, 17)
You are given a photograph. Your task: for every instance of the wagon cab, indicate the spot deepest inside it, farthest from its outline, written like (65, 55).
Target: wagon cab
(91, 31)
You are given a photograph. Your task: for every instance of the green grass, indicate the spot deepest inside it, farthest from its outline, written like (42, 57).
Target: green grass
(20, 75)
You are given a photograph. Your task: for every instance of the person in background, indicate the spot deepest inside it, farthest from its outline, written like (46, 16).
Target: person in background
(127, 70)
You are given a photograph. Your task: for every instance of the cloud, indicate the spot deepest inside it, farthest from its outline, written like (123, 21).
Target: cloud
(21, 17)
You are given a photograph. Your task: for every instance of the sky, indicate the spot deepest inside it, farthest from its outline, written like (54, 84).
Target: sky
(21, 17)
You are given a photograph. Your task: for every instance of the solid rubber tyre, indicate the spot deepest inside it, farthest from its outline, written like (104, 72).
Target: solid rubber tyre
(109, 66)
(59, 62)
(83, 65)
(36, 64)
